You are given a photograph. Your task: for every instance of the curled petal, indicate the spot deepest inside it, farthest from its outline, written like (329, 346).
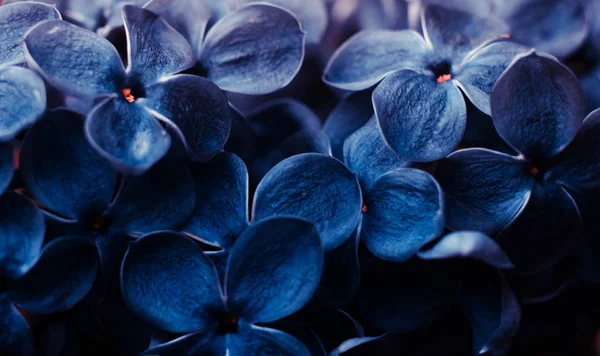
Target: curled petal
(314, 187)
(127, 135)
(537, 105)
(274, 269)
(369, 56)
(420, 119)
(15, 335)
(254, 50)
(484, 189)
(178, 297)
(76, 61)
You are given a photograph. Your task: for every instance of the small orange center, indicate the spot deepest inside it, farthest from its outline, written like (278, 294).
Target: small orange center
(364, 208)
(506, 35)
(533, 170)
(127, 94)
(444, 78)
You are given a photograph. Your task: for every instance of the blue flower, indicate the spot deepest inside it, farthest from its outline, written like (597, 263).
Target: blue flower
(256, 49)
(37, 280)
(273, 269)
(538, 109)
(123, 127)
(419, 103)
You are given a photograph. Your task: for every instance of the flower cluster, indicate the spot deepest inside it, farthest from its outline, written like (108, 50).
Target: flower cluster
(286, 177)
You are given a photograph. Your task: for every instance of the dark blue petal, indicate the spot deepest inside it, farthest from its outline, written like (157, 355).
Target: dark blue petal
(127, 135)
(255, 340)
(578, 166)
(274, 269)
(484, 189)
(76, 61)
(177, 297)
(368, 155)
(254, 50)
(546, 231)
(7, 165)
(348, 116)
(196, 109)
(454, 33)
(22, 100)
(468, 244)
(362, 346)
(341, 274)
(62, 276)
(15, 335)
(304, 334)
(162, 198)
(221, 211)
(537, 105)
(420, 119)
(206, 342)
(478, 75)
(369, 56)
(315, 187)
(401, 297)
(61, 170)
(492, 311)
(155, 50)
(21, 234)
(404, 211)
(15, 21)
(554, 26)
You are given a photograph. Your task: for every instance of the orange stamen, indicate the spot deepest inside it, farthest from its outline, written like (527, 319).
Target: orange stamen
(444, 78)
(127, 94)
(533, 170)
(364, 209)
(506, 35)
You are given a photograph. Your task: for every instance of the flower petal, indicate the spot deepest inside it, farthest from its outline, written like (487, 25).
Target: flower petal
(62, 276)
(478, 75)
(420, 119)
(177, 297)
(162, 198)
(127, 135)
(314, 187)
(349, 115)
(75, 61)
(555, 26)
(21, 234)
(221, 211)
(368, 155)
(15, 335)
(454, 33)
(196, 108)
(254, 50)
(61, 170)
(578, 166)
(7, 166)
(155, 50)
(371, 55)
(256, 340)
(468, 244)
(404, 212)
(15, 20)
(209, 341)
(537, 105)
(484, 189)
(22, 100)
(401, 297)
(549, 225)
(274, 269)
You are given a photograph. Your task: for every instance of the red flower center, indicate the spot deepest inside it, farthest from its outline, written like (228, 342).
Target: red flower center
(127, 94)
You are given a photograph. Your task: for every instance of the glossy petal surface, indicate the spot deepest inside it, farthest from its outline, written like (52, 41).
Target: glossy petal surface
(167, 279)
(478, 75)
(155, 49)
(273, 269)
(484, 189)
(420, 119)
(62, 276)
(314, 187)
(127, 135)
(369, 56)
(404, 212)
(21, 234)
(98, 70)
(221, 211)
(61, 169)
(15, 335)
(7, 166)
(254, 50)
(196, 108)
(15, 21)
(537, 106)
